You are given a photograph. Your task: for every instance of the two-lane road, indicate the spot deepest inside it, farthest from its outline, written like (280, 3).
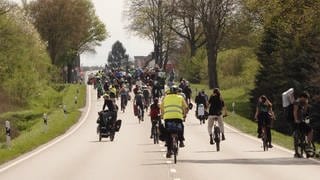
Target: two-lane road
(133, 156)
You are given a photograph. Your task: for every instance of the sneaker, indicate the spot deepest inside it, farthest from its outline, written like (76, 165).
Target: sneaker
(223, 138)
(270, 146)
(151, 137)
(181, 144)
(168, 155)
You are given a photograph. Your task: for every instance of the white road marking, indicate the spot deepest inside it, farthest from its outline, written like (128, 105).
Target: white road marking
(173, 170)
(168, 162)
(164, 155)
(14, 163)
(163, 150)
(176, 179)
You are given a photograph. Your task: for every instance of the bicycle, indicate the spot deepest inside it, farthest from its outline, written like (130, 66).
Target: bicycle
(173, 128)
(216, 133)
(264, 138)
(301, 142)
(155, 130)
(140, 117)
(123, 103)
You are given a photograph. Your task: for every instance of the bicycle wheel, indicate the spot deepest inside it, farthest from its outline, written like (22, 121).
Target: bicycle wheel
(154, 136)
(264, 143)
(310, 150)
(175, 149)
(298, 143)
(217, 137)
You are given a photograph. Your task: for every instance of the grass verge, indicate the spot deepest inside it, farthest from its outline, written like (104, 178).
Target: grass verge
(241, 119)
(57, 125)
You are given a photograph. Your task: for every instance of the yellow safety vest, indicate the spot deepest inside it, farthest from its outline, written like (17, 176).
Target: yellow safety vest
(172, 106)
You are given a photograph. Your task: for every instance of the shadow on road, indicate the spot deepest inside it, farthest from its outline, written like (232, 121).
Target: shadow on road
(270, 161)
(153, 151)
(154, 164)
(205, 151)
(102, 141)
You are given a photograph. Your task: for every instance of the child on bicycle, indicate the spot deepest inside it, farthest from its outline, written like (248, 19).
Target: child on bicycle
(154, 114)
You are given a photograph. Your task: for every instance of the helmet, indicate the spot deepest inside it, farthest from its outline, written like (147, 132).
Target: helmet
(173, 89)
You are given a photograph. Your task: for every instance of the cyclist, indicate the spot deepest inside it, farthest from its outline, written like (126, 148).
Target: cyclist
(146, 96)
(173, 110)
(123, 96)
(201, 98)
(301, 110)
(138, 101)
(215, 111)
(188, 92)
(264, 116)
(154, 114)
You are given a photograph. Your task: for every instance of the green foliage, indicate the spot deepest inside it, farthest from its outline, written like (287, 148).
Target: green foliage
(289, 54)
(194, 68)
(30, 124)
(236, 67)
(69, 27)
(23, 59)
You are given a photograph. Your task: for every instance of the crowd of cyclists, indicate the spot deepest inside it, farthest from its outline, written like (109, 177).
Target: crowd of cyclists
(161, 98)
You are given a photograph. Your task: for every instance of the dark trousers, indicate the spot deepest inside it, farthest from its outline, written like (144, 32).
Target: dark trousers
(180, 133)
(265, 120)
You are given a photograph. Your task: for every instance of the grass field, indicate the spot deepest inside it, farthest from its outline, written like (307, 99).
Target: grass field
(58, 123)
(241, 118)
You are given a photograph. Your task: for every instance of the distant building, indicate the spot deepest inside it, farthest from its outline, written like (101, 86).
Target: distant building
(141, 61)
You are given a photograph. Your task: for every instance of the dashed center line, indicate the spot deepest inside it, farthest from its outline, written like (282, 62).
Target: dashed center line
(173, 170)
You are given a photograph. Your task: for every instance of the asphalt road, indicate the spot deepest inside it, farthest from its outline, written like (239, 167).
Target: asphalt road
(133, 156)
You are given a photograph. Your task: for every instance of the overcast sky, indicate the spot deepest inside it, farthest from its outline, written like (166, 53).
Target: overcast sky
(111, 13)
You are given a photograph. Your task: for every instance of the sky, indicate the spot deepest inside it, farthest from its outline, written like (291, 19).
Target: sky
(110, 13)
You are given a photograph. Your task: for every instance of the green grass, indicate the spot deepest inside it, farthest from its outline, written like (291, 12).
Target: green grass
(241, 119)
(57, 125)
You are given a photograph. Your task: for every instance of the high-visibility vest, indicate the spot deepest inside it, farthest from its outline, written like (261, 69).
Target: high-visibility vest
(172, 107)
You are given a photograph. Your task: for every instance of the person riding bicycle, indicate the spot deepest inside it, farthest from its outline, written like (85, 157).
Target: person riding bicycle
(154, 114)
(138, 101)
(173, 110)
(301, 111)
(201, 98)
(264, 115)
(113, 92)
(123, 96)
(215, 112)
(146, 95)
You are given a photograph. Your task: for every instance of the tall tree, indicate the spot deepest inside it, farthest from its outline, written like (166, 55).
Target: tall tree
(117, 56)
(213, 15)
(151, 19)
(186, 24)
(70, 27)
(289, 52)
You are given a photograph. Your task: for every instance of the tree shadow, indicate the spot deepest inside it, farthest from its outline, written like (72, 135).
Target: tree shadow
(247, 161)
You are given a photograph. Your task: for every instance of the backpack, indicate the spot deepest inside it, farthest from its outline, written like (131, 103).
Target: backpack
(154, 111)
